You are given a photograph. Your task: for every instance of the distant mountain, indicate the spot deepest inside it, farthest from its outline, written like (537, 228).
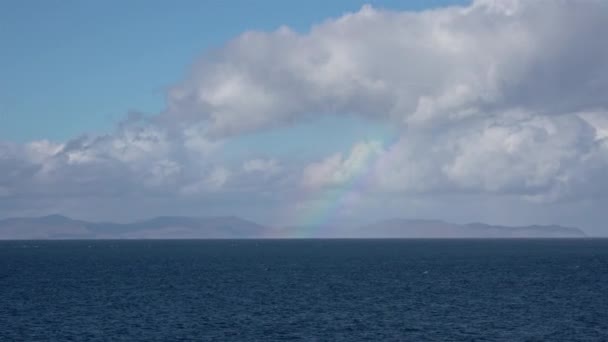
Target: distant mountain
(222, 227)
(402, 228)
(45, 227)
(165, 227)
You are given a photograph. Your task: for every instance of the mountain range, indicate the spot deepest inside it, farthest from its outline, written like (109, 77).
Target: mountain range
(227, 227)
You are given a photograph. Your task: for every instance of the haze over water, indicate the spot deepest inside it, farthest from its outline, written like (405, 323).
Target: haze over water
(304, 290)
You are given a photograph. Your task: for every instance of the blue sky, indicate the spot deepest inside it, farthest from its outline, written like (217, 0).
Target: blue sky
(71, 67)
(483, 110)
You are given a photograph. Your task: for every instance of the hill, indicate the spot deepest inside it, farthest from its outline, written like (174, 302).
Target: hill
(228, 227)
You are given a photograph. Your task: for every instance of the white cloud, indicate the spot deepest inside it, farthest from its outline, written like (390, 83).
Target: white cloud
(40, 150)
(264, 166)
(539, 158)
(530, 156)
(416, 68)
(162, 172)
(197, 144)
(599, 121)
(213, 181)
(337, 170)
(500, 98)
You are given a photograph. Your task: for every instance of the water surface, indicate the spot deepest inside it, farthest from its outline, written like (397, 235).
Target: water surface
(304, 290)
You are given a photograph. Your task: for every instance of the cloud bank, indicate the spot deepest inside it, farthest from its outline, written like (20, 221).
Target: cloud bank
(497, 99)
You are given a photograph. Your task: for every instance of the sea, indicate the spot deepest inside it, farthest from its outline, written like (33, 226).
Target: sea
(304, 290)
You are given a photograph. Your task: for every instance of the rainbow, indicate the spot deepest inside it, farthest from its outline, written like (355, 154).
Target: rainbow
(336, 200)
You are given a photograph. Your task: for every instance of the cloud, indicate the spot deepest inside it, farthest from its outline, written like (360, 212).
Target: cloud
(532, 156)
(213, 181)
(411, 68)
(539, 158)
(263, 166)
(337, 170)
(501, 99)
(599, 121)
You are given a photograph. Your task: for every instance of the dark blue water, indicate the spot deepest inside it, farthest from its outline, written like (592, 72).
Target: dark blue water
(304, 290)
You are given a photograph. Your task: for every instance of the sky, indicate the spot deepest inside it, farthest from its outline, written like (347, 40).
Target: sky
(308, 113)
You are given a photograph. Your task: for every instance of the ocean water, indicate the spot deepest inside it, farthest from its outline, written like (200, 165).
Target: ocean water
(304, 290)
